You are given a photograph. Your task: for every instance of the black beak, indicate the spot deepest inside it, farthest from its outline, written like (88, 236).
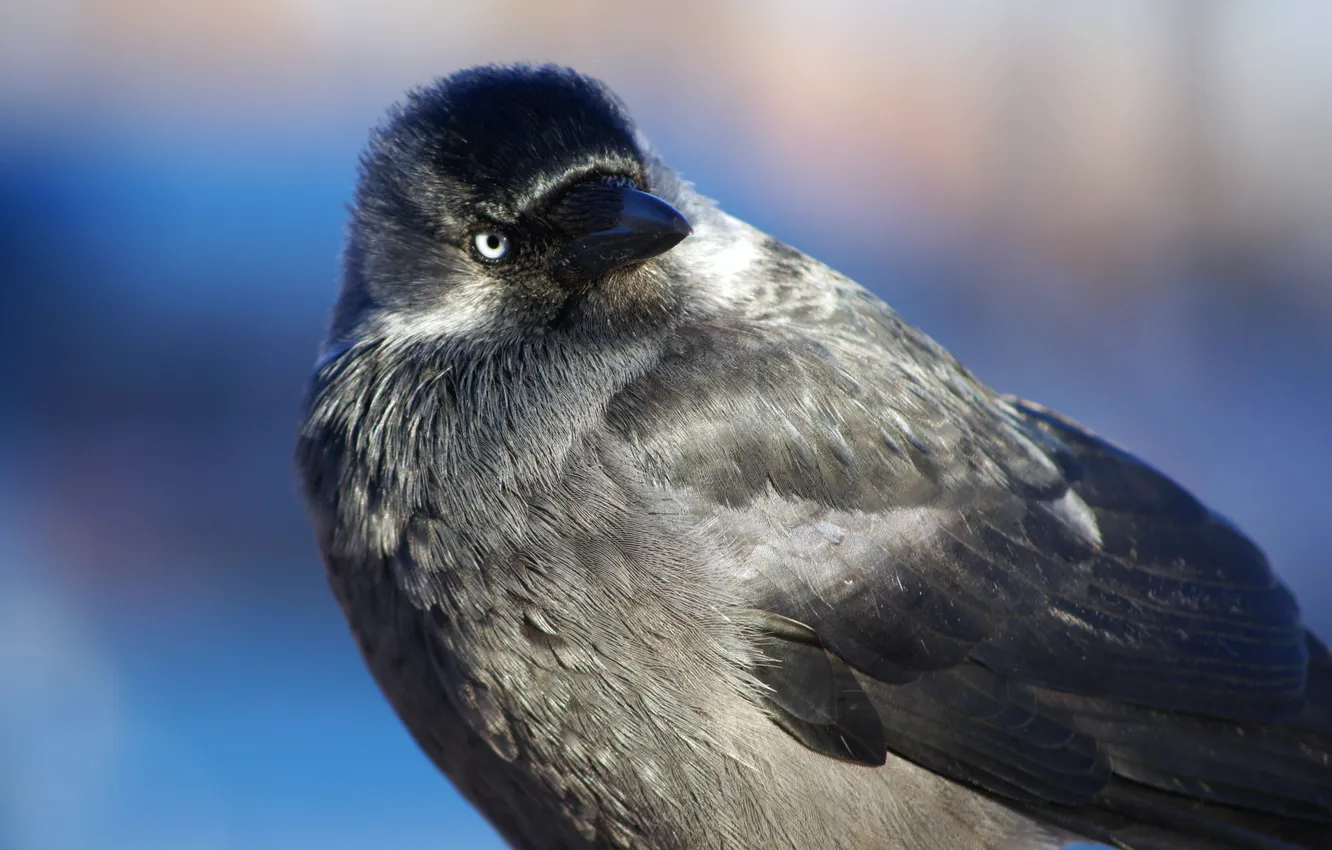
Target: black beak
(645, 227)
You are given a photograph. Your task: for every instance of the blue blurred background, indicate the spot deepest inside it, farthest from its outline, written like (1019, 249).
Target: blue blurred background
(1122, 210)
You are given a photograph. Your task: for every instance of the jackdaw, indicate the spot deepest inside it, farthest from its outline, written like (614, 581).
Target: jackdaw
(658, 533)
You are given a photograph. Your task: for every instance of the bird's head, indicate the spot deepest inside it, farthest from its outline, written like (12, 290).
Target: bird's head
(506, 200)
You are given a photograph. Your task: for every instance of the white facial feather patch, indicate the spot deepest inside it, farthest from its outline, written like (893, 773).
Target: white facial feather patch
(720, 252)
(470, 307)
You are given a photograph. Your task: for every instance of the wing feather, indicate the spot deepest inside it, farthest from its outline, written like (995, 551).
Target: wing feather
(1023, 606)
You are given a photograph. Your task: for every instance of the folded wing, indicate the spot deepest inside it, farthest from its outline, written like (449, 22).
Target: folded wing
(1026, 607)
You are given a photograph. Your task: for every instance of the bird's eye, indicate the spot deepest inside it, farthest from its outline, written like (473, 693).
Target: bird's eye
(491, 246)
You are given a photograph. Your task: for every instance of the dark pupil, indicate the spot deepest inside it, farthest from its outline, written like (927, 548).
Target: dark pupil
(492, 242)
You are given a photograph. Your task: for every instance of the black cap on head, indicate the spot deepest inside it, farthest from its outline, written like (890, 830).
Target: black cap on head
(508, 136)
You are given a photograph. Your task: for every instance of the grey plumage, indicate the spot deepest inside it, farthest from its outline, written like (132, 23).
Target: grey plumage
(689, 545)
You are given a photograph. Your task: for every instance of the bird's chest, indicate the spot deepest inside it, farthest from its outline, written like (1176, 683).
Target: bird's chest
(508, 665)
(551, 639)
(461, 716)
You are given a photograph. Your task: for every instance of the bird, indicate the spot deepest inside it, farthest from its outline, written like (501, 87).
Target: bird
(658, 533)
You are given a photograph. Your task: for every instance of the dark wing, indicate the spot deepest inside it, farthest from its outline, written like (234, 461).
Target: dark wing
(1027, 607)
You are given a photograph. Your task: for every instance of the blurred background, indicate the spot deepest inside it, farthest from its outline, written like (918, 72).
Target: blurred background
(1123, 210)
